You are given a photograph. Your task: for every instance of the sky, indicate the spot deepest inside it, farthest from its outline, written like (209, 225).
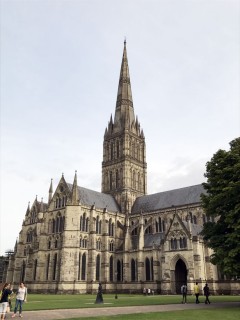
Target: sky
(60, 66)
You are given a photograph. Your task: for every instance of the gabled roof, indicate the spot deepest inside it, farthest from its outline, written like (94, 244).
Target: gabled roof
(167, 199)
(100, 200)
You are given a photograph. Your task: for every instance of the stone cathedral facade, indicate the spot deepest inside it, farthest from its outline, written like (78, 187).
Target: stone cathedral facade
(121, 237)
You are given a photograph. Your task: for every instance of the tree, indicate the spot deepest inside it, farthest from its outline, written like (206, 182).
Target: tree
(222, 202)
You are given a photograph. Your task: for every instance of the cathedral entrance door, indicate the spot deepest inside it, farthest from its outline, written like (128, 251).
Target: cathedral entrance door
(180, 275)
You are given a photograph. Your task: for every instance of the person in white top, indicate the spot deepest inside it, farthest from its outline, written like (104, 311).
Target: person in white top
(21, 297)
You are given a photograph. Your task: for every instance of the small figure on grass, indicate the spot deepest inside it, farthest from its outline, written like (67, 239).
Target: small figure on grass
(99, 298)
(206, 293)
(184, 293)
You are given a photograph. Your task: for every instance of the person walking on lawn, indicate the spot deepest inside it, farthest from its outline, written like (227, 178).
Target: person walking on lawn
(6, 291)
(206, 293)
(196, 292)
(184, 293)
(21, 297)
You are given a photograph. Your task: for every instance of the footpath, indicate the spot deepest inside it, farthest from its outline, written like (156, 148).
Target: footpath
(109, 311)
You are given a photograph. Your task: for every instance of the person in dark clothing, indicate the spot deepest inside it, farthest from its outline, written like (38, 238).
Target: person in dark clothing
(99, 298)
(184, 293)
(206, 293)
(6, 291)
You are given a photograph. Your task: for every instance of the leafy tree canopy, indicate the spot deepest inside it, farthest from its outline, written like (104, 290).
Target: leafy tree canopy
(222, 201)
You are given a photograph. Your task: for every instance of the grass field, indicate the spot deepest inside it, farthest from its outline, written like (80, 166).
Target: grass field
(51, 301)
(213, 314)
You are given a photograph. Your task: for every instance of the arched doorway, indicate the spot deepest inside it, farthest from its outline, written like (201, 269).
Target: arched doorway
(180, 275)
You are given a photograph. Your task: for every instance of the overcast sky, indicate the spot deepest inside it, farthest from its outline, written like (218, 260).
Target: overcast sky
(60, 66)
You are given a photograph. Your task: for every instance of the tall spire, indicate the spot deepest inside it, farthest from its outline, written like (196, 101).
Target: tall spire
(75, 197)
(124, 113)
(50, 192)
(124, 167)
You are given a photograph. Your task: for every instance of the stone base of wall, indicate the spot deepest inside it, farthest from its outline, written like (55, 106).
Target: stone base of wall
(165, 287)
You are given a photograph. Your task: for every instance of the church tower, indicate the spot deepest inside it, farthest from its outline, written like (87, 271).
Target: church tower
(124, 167)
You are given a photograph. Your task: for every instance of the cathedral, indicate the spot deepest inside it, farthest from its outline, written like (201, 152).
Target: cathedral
(121, 237)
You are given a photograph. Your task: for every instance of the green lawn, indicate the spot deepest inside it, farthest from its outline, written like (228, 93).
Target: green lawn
(51, 301)
(213, 314)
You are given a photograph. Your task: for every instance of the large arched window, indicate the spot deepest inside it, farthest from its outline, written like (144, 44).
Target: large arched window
(135, 231)
(47, 266)
(148, 230)
(111, 246)
(30, 236)
(84, 222)
(119, 270)
(118, 151)
(53, 226)
(98, 268)
(84, 259)
(35, 270)
(23, 270)
(134, 180)
(133, 270)
(147, 269)
(112, 151)
(110, 180)
(110, 228)
(98, 225)
(111, 268)
(79, 265)
(152, 271)
(117, 179)
(55, 267)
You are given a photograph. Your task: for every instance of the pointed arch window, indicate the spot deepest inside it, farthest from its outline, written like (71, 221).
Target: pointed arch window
(98, 268)
(133, 150)
(134, 180)
(53, 226)
(30, 236)
(47, 266)
(83, 222)
(35, 270)
(111, 269)
(163, 226)
(135, 231)
(111, 181)
(148, 230)
(84, 259)
(87, 224)
(111, 246)
(79, 265)
(110, 228)
(184, 240)
(118, 151)
(147, 269)
(174, 245)
(119, 270)
(133, 270)
(112, 151)
(98, 225)
(152, 270)
(117, 179)
(23, 270)
(55, 267)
